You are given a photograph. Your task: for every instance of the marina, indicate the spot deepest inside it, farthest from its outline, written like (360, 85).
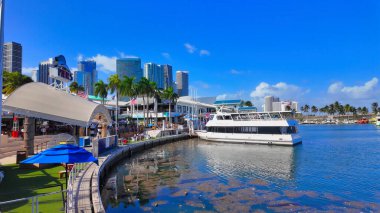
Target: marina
(196, 174)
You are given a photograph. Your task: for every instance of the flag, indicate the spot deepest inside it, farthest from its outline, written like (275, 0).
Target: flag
(133, 101)
(82, 94)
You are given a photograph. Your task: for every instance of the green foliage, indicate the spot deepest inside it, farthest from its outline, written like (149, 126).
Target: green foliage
(248, 103)
(101, 90)
(14, 80)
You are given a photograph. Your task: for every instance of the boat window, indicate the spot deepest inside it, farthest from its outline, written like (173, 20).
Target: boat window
(219, 117)
(211, 117)
(235, 117)
(269, 130)
(229, 130)
(292, 130)
(227, 117)
(244, 116)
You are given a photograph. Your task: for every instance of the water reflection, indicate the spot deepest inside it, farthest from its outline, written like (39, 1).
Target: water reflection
(196, 175)
(247, 160)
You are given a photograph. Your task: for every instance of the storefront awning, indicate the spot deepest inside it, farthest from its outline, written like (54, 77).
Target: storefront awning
(40, 100)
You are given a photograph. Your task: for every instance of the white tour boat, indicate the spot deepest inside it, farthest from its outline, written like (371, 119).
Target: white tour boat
(253, 127)
(378, 119)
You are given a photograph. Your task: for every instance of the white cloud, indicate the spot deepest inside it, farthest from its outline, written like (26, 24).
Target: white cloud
(201, 84)
(204, 53)
(28, 70)
(105, 63)
(190, 48)
(230, 96)
(235, 72)
(166, 55)
(281, 90)
(366, 91)
(80, 57)
(123, 55)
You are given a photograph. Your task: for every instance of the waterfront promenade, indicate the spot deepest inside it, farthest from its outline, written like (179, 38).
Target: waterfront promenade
(85, 193)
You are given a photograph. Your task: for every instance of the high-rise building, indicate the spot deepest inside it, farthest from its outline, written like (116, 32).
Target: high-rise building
(59, 63)
(168, 75)
(155, 73)
(34, 75)
(130, 67)
(182, 79)
(273, 104)
(268, 103)
(86, 76)
(12, 57)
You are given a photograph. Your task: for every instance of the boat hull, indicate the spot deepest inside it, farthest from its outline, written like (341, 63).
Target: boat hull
(284, 140)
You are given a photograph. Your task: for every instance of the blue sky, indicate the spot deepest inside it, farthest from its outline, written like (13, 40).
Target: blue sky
(311, 51)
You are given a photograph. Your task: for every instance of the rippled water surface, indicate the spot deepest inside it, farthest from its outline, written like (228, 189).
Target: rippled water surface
(336, 168)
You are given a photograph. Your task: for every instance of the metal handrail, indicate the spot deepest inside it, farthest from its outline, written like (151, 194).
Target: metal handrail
(35, 202)
(73, 174)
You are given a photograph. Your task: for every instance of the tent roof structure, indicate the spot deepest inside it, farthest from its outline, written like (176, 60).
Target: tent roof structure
(40, 100)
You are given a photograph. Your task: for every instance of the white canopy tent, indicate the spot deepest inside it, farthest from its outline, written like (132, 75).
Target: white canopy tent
(40, 100)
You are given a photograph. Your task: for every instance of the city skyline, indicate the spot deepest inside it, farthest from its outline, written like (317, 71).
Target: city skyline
(311, 52)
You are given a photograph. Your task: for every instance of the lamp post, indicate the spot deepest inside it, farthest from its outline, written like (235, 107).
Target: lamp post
(2, 4)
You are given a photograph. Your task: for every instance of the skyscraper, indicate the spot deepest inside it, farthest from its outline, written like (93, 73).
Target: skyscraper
(168, 75)
(87, 75)
(130, 67)
(58, 62)
(12, 57)
(155, 73)
(182, 79)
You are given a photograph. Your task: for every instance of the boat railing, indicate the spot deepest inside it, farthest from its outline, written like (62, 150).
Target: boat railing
(256, 116)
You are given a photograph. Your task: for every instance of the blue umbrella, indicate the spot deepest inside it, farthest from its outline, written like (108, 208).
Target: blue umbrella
(65, 153)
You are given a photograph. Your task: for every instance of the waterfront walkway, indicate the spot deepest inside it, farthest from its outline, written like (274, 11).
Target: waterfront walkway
(86, 194)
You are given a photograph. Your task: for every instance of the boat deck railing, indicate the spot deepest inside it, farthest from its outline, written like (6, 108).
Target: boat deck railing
(254, 116)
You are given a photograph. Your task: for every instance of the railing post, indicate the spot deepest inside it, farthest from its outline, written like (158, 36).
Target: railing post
(32, 204)
(37, 204)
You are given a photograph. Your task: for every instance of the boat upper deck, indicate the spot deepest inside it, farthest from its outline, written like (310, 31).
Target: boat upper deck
(252, 116)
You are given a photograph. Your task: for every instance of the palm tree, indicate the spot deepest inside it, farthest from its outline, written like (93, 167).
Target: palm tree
(101, 90)
(74, 87)
(364, 110)
(143, 90)
(14, 80)
(353, 111)
(314, 109)
(359, 109)
(128, 88)
(81, 88)
(248, 103)
(172, 97)
(114, 83)
(375, 107)
(331, 109)
(306, 108)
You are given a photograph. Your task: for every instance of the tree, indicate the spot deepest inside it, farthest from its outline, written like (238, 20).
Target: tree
(331, 109)
(306, 108)
(359, 110)
(101, 90)
(248, 103)
(353, 111)
(74, 87)
(364, 110)
(347, 108)
(144, 90)
(314, 109)
(375, 107)
(14, 80)
(129, 88)
(114, 84)
(171, 96)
